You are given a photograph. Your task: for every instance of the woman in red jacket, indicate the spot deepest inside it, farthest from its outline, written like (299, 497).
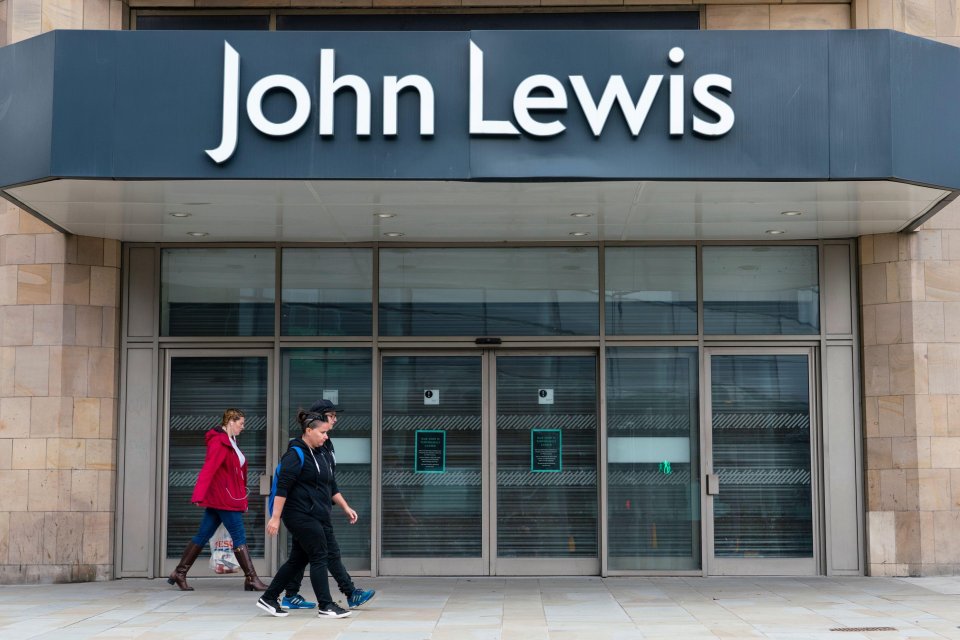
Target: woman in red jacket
(221, 490)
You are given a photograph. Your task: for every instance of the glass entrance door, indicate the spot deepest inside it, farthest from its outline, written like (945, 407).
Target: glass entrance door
(488, 464)
(199, 386)
(760, 480)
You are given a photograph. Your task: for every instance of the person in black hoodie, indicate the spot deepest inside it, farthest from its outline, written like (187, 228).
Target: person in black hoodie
(303, 502)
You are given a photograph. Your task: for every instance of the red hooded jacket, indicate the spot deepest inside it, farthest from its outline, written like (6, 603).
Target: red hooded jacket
(222, 483)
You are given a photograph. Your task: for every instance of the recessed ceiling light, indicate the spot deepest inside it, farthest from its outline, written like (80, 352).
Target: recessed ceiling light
(180, 214)
(581, 215)
(791, 213)
(580, 234)
(385, 215)
(197, 234)
(774, 232)
(393, 234)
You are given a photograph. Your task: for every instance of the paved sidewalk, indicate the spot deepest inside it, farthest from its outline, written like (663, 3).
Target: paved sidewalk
(501, 609)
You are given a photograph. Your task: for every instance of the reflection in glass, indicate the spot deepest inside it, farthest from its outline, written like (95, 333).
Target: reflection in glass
(342, 376)
(761, 453)
(544, 513)
(200, 390)
(760, 290)
(651, 290)
(431, 515)
(543, 291)
(653, 467)
(217, 292)
(327, 292)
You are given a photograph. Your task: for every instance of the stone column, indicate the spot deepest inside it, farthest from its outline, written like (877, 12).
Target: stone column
(910, 286)
(59, 344)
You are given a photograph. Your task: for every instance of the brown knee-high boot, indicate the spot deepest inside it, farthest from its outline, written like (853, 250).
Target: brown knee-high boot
(251, 582)
(179, 575)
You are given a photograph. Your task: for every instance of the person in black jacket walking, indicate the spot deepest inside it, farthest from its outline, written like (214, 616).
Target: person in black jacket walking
(303, 502)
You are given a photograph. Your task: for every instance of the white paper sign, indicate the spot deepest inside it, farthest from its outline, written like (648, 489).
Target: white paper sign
(333, 395)
(545, 396)
(431, 396)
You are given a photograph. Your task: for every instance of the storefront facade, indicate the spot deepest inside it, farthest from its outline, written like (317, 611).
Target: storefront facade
(660, 302)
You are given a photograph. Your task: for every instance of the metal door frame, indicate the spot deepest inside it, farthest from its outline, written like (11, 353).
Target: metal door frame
(762, 566)
(268, 564)
(487, 564)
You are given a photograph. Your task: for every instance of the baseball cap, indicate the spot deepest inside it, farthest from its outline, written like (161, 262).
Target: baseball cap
(323, 406)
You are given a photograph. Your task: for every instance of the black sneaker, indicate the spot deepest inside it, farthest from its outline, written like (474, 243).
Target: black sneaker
(271, 607)
(333, 610)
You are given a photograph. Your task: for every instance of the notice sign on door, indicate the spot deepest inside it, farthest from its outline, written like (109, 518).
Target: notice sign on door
(430, 451)
(546, 450)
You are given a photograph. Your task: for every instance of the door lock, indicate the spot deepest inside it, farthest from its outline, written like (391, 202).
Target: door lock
(713, 484)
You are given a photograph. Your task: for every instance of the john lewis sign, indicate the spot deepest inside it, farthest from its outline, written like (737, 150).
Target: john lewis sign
(540, 108)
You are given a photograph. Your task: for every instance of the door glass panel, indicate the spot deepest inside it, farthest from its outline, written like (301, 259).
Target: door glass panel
(761, 453)
(342, 376)
(200, 390)
(651, 290)
(432, 457)
(327, 292)
(546, 457)
(653, 463)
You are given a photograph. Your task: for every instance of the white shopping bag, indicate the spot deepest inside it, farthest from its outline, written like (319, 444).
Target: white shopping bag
(222, 559)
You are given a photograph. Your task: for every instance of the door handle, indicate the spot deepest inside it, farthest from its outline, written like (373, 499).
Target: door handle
(713, 484)
(264, 484)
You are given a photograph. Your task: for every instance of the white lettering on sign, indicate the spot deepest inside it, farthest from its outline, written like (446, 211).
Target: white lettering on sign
(533, 96)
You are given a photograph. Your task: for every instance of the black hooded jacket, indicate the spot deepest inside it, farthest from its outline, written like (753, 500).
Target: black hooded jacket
(309, 489)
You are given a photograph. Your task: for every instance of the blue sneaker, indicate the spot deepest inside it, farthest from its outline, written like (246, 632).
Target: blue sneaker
(296, 602)
(359, 597)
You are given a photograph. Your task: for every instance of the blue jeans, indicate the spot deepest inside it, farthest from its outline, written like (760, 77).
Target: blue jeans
(232, 520)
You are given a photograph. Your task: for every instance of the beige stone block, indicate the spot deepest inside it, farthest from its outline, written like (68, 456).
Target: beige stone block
(17, 325)
(57, 283)
(8, 284)
(926, 321)
(14, 417)
(942, 280)
(940, 414)
(923, 245)
(75, 373)
(62, 14)
(945, 453)
(62, 538)
(904, 452)
(955, 489)
(50, 417)
(953, 415)
(873, 490)
(868, 315)
(104, 286)
(106, 482)
(111, 253)
(889, 324)
(76, 284)
(927, 542)
(907, 536)
(48, 490)
(83, 490)
(865, 249)
(882, 533)
(876, 370)
(934, 489)
(89, 326)
(926, 415)
(32, 375)
(3, 43)
(101, 455)
(923, 453)
(943, 367)
(97, 537)
(47, 324)
(29, 453)
(66, 453)
(6, 458)
(737, 17)
(86, 417)
(19, 249)
(9, 219)
(587, 3)
(90, 251)
(108, 418)
(893, 489)
(8, 368)
(886, 247)
(891, 420)
(920, 17)
(102, 373)
(51, 248)
(110, 320)
(96, 14)
(951, 321)
(908, 368)
(23, 19)
(880, 14)
(879, 453)
(28, 223)
(947, 542)
(871, 416)
(4, 517)
(951, 244)
(11, 500)
(910, 281)
(26, 538)
(119, 14)
(873, 283)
